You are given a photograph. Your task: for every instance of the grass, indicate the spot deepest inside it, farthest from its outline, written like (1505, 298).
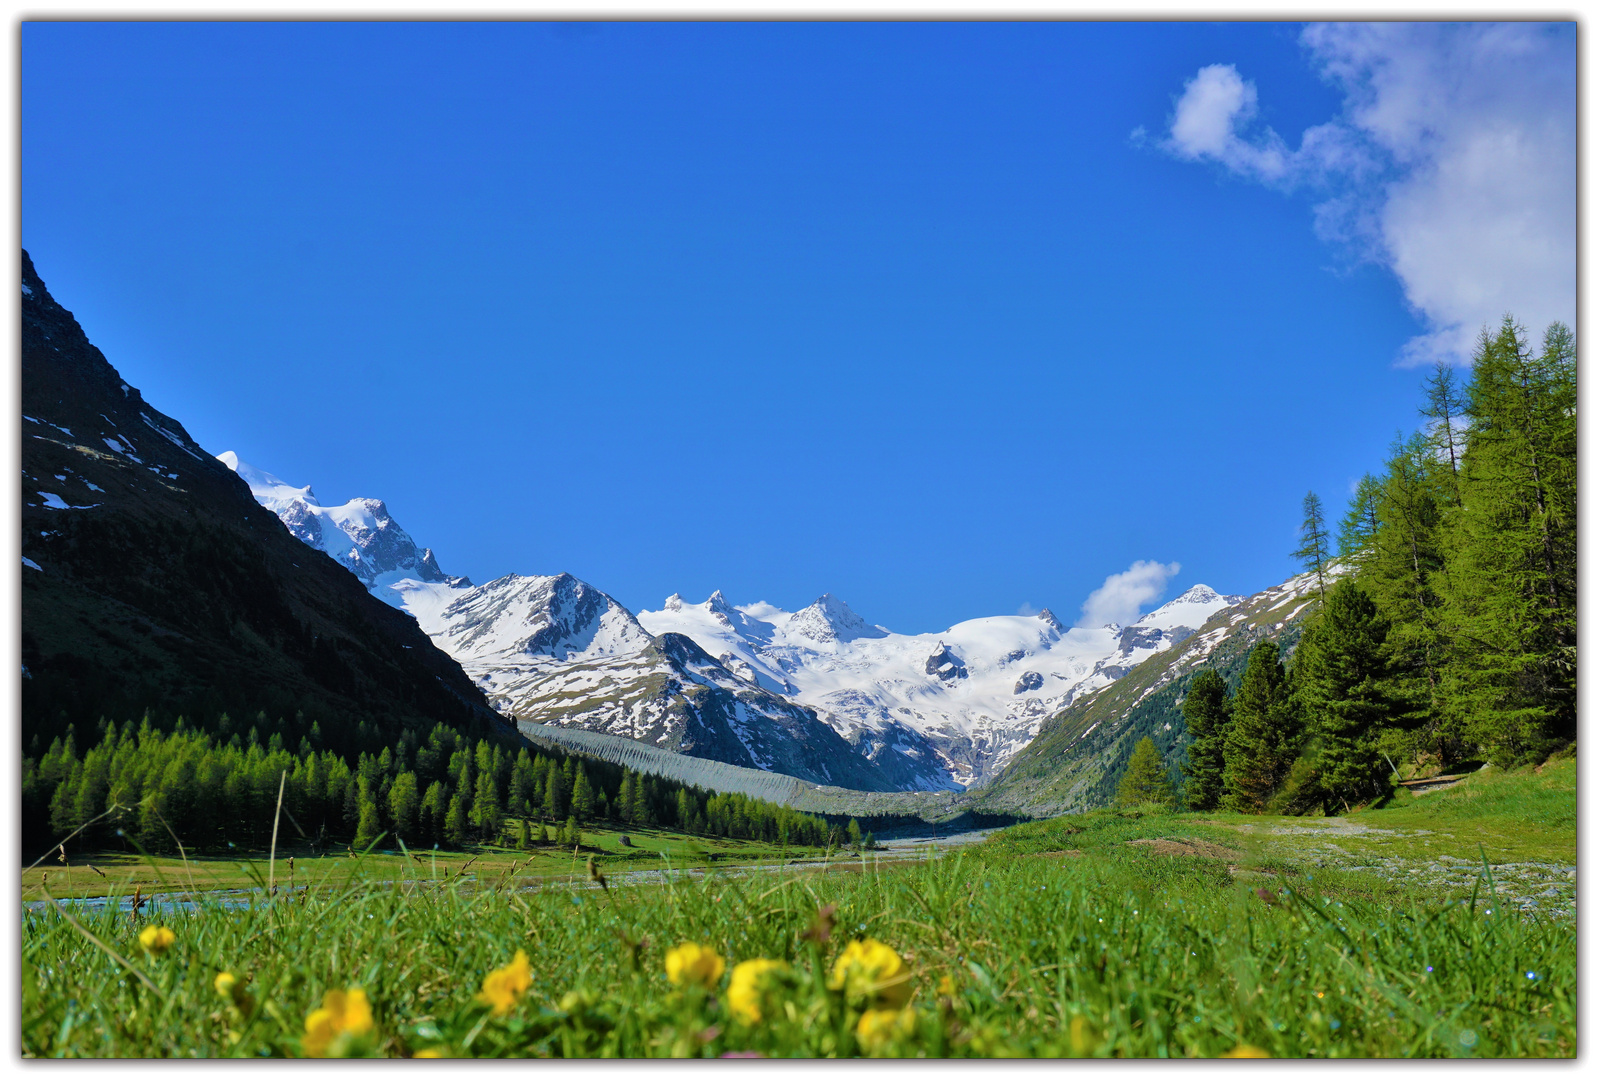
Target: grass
(1110, 934)
(97, 874)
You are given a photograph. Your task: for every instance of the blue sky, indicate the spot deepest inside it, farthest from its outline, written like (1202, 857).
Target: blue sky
(949, 320)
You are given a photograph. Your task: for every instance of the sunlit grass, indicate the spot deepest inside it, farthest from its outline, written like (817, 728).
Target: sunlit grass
(1011, 948)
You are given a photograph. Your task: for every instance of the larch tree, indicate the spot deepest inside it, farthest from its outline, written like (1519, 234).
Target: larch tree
(1207, 711)
(1260, 741)
(1313, 547)
(1145, 782)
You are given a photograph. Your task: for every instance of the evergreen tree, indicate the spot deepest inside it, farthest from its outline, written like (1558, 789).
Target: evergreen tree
(434, 808)
(573, 837)
(1145, 781)
(624, 799)
(1445, 407)
(1260, 739)
(1207, 711)
(456, 823)
(1357, 534)
(582, 806)
(1342, 681)
(854, 834)
(1312, 548)
(402, 804)
(1512, 598)
(525, 837)
(368, 828)
(486, 813)
(554, 797)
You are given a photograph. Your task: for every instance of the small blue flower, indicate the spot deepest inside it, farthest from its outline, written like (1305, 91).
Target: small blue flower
(1531, 974)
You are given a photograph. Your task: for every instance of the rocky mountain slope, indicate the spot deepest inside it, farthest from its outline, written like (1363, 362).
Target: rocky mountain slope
(1080, 755)
(152, 578)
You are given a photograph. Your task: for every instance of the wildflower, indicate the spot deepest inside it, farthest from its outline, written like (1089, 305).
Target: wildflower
(749, 980)
(694, 965)
(504, 987)
(156, 940)
(878, 1028)
(431, 1052)
(946, 986)
(344, 1016)
(229, 989)
(1244, 1050)
(869, 969)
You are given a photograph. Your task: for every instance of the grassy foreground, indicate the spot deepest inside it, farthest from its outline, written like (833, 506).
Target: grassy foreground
(119, 873)
(1100, 935)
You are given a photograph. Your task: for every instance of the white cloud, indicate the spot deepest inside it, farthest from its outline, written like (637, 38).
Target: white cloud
(1121, 598)
(1215, 106)
(1026, 609)
(1453, 163)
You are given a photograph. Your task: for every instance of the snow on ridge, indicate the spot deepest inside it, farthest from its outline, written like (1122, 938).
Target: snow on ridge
(360, 534)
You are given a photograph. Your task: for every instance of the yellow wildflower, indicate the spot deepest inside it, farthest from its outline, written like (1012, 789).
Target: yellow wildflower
(694, 965)
(224, 983)
(749, 980)
(431, 1052)
(1244, 1050)
(946, 986)
(344, 1015)
(503, 987)
(156, 940)
(879, 1028)
(871, 970)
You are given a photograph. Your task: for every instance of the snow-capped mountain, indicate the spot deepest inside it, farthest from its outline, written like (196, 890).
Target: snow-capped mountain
(969, 697)
(818, 693)
(359, 535)
(558, 651)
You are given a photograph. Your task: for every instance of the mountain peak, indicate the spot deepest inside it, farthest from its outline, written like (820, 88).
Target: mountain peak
(831, 619)
(717, 604)
(1048, 618)
(674, 602)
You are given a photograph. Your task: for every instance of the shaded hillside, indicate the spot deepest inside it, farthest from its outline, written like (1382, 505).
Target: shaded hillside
(1080, 755)
(151, 579)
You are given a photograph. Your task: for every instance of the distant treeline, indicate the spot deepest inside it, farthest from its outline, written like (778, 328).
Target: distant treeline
(1445, 630)
(212, 789)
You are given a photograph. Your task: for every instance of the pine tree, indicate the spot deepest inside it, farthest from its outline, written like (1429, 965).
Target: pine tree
(435, 806)
(1444, 407)
(854, 834)
(1208, 711)
(573, 836)
(402, 804)
(1512, 592)
(1145, 782)
(1357, 535)
(456, 823)
(554, 797)
(1260, 738)
(582, 806)
(1341, 674)
(368, 828)
(1312, 541)
(525, 837)
(486, 813)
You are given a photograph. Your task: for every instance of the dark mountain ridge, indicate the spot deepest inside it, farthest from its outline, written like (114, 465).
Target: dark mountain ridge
(152, 580)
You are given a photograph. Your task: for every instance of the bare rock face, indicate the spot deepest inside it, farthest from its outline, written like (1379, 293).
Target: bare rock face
(945, 665)
(1028, 682)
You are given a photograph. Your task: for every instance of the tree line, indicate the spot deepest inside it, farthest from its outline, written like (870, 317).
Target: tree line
(1443, 630)
(208, 792)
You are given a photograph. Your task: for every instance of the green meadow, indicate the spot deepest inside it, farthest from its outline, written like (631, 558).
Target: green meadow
(1436, 926)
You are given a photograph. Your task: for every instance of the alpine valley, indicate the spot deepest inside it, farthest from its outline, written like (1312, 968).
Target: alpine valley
(819, 694)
